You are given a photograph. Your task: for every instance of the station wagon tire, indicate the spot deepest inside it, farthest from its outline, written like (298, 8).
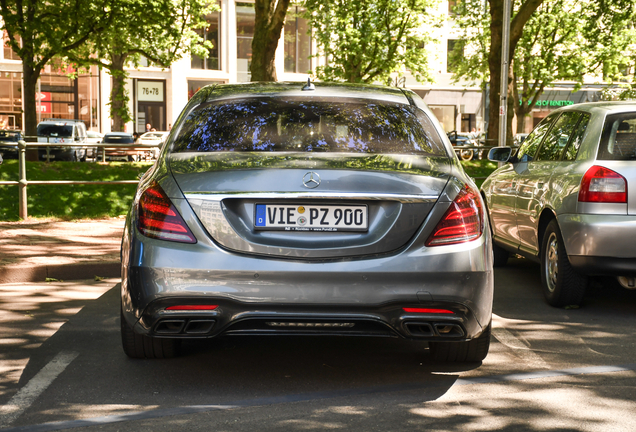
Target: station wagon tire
(471, 351)
(141, 346)
(562, 285)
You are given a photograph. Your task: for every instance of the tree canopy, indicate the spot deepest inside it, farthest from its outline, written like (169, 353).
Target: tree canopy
(160, 31)
(367, 40)
(560, 40)
(38, 31)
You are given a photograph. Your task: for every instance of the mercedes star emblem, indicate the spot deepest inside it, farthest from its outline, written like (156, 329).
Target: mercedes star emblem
(311, 180)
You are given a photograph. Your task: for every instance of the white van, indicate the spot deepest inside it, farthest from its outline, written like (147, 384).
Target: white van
(62, 131)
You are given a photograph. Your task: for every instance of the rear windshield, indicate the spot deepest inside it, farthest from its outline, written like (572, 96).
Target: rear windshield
(316, 125)
(619, 137)
(53, 130)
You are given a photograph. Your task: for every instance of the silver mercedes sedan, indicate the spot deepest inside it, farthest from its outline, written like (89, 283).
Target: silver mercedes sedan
(567, 198)
(302, 209)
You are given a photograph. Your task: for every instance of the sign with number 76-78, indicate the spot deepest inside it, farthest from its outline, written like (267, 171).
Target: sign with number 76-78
(150, 91)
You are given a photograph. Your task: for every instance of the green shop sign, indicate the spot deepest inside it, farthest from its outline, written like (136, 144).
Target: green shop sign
(551, 103)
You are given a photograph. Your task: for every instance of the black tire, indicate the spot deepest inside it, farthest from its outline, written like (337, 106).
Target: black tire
(141, 346)
(500, 255)
(471, 351)
(562, 285)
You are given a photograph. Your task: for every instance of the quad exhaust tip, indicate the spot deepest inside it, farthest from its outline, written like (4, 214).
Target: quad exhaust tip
(628, 282)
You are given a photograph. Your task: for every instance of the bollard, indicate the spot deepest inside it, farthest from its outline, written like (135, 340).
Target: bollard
(22, 187)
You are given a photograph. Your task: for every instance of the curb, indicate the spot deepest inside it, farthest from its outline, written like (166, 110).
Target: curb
(64, 272)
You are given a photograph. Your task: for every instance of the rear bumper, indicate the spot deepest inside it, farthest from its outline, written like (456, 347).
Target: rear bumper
(253, 292)
(600, 244)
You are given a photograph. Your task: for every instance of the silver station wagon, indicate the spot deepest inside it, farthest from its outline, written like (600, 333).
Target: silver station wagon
(302, 209)
(567, 198)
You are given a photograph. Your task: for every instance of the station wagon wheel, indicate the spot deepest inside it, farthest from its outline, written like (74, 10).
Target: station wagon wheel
(562, 285)
(142, 346)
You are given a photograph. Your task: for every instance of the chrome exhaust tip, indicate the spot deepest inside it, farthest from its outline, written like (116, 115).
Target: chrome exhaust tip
(628, 282)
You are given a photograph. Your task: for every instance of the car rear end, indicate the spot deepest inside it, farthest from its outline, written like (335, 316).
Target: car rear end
(273, 211)
(599, 237)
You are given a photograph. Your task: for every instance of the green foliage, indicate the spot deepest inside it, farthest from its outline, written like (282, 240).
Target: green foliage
(366, 40)
(38, 31)
(161, 31)
(70, 201)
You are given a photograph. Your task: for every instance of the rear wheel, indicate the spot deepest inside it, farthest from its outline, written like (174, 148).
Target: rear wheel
(471, 351)
(562, 285)
(142, 346)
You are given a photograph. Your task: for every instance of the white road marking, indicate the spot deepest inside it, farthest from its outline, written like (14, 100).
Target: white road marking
(511, 341)
(34, 388)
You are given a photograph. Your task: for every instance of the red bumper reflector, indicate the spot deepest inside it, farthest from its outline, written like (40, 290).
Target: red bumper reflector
(428, 310)
(192, 307)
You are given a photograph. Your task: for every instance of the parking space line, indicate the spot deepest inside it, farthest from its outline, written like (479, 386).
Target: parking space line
(505, 337)
(34, 388)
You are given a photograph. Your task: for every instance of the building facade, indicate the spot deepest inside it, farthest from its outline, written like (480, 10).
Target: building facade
(157, 96)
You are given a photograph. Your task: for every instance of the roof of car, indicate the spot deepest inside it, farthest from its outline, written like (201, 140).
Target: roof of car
(607, 106)
(126, 134)
(298, 89)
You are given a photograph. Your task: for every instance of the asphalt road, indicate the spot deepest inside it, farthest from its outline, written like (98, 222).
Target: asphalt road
(62, 367)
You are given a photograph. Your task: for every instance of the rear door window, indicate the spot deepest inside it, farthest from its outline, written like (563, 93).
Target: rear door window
(618, 141)
(529, 147)
(558, 137)
(577, 138)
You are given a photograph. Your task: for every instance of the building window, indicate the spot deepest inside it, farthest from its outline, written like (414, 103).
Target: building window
(212, 34)
(244, 35)
(9, 54)
(451, 55)
(10, 100)
(297, 42)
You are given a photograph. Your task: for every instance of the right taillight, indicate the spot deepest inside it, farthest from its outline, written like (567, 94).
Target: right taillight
(158, 218)
(462, 222)
(602, 185)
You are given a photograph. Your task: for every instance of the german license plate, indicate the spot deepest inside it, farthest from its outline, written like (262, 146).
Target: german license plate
(309, 217)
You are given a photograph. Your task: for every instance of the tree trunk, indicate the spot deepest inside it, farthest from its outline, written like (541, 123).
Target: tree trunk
(268, 25)
(30, 77)
(118, 95)
(494, 65)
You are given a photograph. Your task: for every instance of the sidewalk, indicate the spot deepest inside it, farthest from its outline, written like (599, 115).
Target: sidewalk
(34, 250)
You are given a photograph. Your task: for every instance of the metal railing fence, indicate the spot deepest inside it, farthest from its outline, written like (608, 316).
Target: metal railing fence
(22, 183)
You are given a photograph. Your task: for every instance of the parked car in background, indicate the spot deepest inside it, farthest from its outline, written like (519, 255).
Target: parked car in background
(153, 139)
(93, 137)
(62, 131)
(115, 153)
(301, 209)
(567, 198)
(9, 143)
(459, 139)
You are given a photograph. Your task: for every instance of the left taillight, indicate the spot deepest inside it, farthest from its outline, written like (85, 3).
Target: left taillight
(462, 222)
(158, 218)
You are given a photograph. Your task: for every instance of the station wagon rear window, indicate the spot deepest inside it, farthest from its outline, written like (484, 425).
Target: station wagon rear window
(54, 130)
(301, 125)
(618, 141)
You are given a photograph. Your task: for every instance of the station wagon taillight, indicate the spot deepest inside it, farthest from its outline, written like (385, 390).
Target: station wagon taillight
(462, 222)
(158, 218)
(602, 185)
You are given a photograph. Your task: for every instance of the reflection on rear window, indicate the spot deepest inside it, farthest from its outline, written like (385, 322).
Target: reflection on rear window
(316, 125)
(619, 138)
(58, 131)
